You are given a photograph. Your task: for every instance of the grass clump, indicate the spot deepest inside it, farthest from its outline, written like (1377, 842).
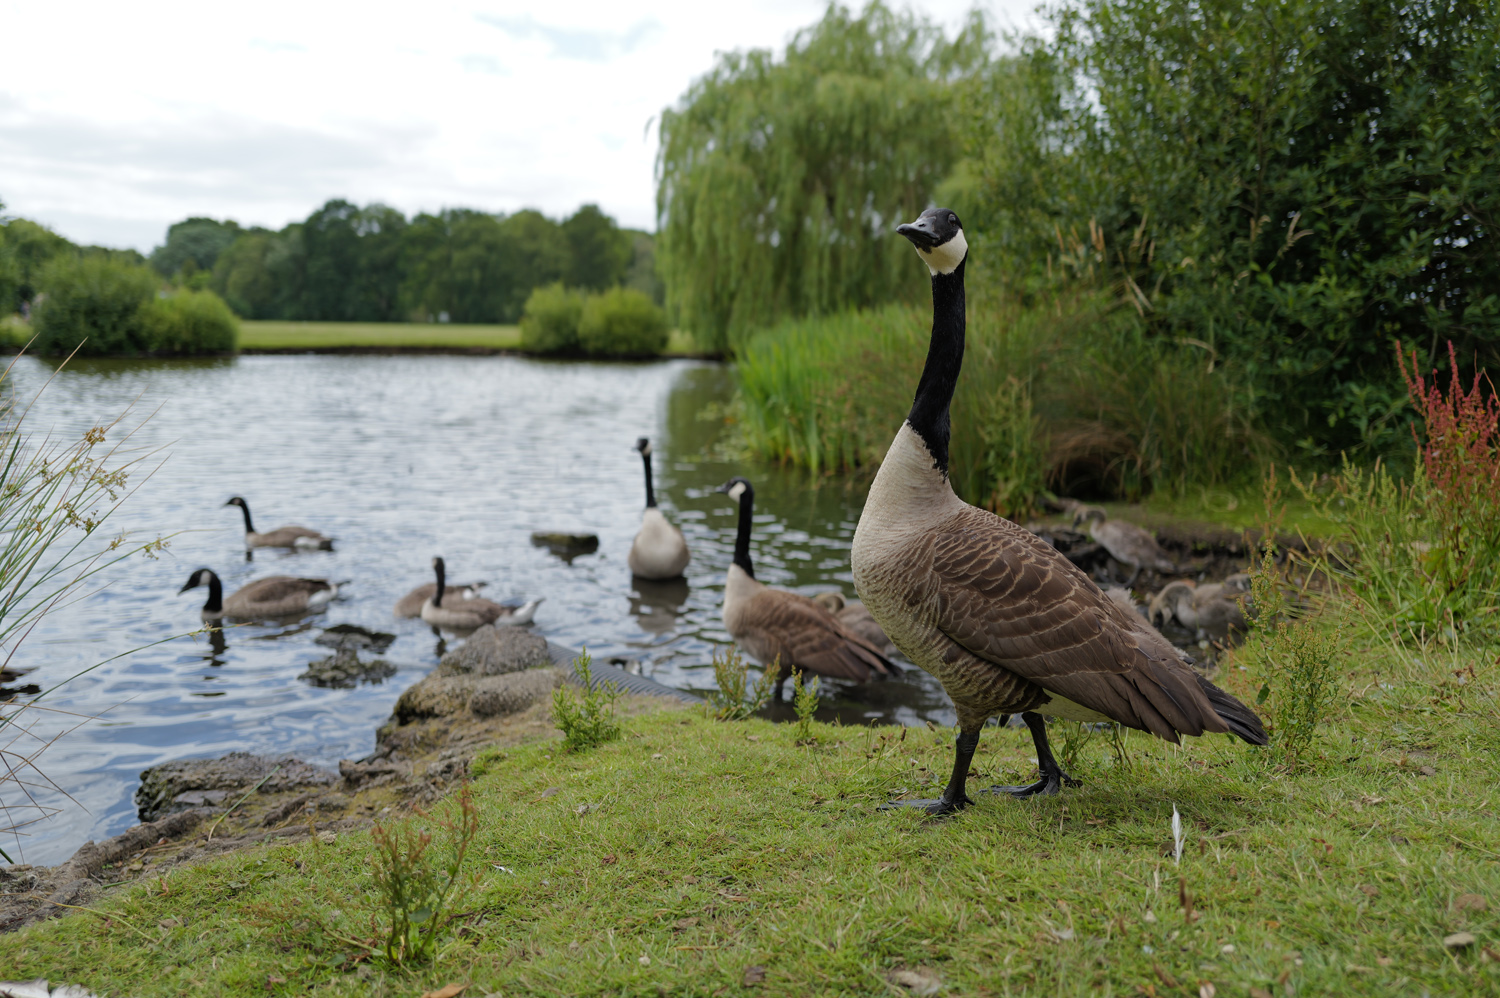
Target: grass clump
(587, 720)
(416, 881)
(734, 697)
(805, 702)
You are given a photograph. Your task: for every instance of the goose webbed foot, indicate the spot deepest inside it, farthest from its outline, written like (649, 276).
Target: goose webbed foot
(934, 807)
(1048, 786)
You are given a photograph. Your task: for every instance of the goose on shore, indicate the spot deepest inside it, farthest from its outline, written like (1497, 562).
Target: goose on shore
(659, 550)
(443, 609)
(995, 613)
(410, 605)
(773, 623)
(276, 596)
(855, 617)
(1210, 611)
(296, 538)
(1126, 543)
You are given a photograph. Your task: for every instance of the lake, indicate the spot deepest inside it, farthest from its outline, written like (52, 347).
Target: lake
(399, 458)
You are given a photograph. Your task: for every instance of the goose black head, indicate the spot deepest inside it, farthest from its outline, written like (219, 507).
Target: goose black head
(437, 564)
(644, 446)
(236, 501)
(938, 236)
(202, 577)
(736, 488)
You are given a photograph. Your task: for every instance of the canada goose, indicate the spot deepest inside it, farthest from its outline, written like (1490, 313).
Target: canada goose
(410, 605)
(276, 596)
(995, 613)
(297, 538)
(857, 618)
(773, 623)
(1164, 603)
(659, 550)
(442, 610)
(1125, 542)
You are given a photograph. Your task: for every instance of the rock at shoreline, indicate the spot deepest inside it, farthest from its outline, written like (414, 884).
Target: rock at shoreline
(343, 670)
(485, 696)
(494, 651)
(191, 783)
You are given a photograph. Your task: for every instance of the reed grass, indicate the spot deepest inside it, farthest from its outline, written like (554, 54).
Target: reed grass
(1068, 395)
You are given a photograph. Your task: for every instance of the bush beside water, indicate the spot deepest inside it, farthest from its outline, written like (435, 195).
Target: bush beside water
(621, 322)
(104, 306)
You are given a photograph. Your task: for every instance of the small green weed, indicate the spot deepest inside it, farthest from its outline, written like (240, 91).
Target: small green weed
(731, 701)
(805, 702)
(412, 887)
(587, 720)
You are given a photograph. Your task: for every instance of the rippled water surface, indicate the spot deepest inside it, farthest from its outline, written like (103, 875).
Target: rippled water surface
(399, 459)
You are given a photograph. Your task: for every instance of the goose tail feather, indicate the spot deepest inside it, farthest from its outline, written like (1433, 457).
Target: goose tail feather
(1241, 719)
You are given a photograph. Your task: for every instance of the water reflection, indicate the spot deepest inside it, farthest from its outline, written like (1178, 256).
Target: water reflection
(522, 447)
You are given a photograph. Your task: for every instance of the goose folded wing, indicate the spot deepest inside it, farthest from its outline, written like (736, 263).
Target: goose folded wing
(1006, 597)
(282, 587)
(812, 638)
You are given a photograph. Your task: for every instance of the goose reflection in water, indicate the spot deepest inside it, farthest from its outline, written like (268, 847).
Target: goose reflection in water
(657, 606)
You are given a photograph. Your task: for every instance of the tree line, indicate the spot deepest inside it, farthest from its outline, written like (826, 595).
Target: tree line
(347, 263)
(1291, 187)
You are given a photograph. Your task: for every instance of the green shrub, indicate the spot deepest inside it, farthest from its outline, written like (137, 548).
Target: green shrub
(94, 302)
(589, 720)
(189, 322)
(735, 699)
(549, 323)
(622, 322)
(417, 879)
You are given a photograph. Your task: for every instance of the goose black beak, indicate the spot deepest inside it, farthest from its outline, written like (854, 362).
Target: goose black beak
(184, 589)
(724, 489)
(920, 233)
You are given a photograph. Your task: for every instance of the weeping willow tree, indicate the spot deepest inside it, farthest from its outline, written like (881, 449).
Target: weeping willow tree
(779, 180)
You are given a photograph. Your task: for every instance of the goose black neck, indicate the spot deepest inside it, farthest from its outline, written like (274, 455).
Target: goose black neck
(742, 539)
(437, 597)
(215, 602)
(245, 509)
(650, 492)
(945, 356)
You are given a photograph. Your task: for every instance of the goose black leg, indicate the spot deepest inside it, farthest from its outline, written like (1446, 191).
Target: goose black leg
(1053, 778)
(953, 798)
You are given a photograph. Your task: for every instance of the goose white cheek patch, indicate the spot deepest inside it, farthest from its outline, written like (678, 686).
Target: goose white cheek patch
(945, 259)
(737, 490)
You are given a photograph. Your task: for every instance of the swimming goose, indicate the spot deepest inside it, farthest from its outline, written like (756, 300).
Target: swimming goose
(995, 613)
(444, 610)
(276, 596)
(1125, 542)
(769, 623)
(857, 618)
(410, 605)
(297, 538)
(659, 550)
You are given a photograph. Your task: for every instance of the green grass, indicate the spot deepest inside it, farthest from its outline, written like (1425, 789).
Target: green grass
(396, 335)
(709, 848)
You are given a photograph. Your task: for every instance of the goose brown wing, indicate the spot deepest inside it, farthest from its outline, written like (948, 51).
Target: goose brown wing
(277, 587)
(1005, 596)
(811, 638)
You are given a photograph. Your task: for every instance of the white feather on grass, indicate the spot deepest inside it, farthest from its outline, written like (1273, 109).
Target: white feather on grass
(1176, 836)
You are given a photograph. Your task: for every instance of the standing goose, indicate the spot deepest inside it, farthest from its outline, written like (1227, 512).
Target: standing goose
(410, 605)
(771, 623)
(444, 609)
(659, 550)
(276, 596)
(1126, 543)
(1002, 620)
(297, 538)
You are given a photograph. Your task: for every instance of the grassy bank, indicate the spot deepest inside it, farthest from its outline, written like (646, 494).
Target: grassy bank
(396, 336)
(696, 857)
(1071, 396)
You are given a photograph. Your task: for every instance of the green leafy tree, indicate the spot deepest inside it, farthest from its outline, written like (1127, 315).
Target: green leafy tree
(193, 245)
(25, 249)
(1293, 185)
(779, 179)
(94, 302)
(599, 252)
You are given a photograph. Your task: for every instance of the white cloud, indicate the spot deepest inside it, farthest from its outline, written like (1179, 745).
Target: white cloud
(117, 120)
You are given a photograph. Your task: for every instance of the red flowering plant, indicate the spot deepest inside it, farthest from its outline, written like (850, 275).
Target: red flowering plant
(1460, 461)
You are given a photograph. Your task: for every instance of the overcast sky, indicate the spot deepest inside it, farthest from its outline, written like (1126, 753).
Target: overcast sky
(118, 119)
